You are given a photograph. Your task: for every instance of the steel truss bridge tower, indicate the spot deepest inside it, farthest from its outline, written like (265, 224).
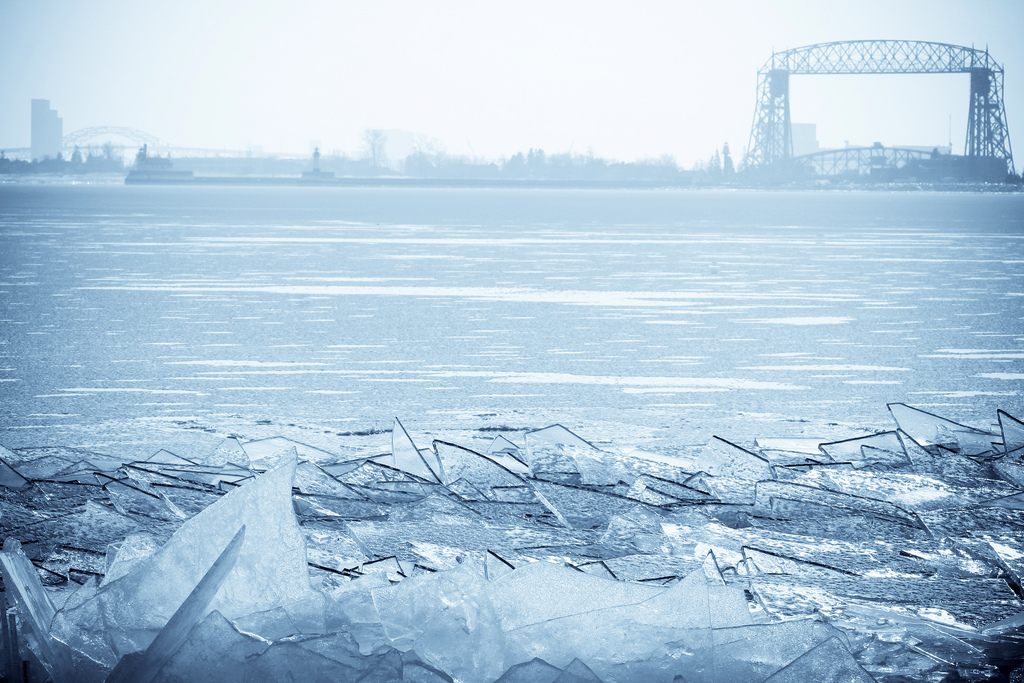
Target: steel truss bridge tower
(771, 139)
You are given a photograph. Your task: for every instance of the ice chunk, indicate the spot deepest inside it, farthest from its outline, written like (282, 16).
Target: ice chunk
(380, 481)
(534, 671)
(332, 548)
(214, 651)
(942, 463)
(41, 469)
(853, 450)
(34, 605)
(1011, 469)
(330, 657)
(637, 528)
(695, 602)
(467, 491)
(763, 562)
(839, 503)
(916, 491)
(91, 526)
(478, 469)
(74, 564)
(649, 568)
(9, 477)
(500, 444)
(755, 652)
(1012, 430)
(507, 454)
(672, 631)
(1010, 554)
(556, 435)
(165, 457)
(542, 591)
(927, 430)
(577, 672)
(266, 453)
(271, 571)
(578, 507)
(207, 475)
(496, 566)
(228, 451)
(658, 491)
(311, 479)
(133, 500)
(408, 458)
(721, 458)
(80, 472)
(448, 620)
(123, 556)
(598, 568)
(143, 667)
(550, 451)
(828, 662)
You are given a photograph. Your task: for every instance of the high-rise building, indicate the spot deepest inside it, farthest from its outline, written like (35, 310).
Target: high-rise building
(47, 130)
(805, 139)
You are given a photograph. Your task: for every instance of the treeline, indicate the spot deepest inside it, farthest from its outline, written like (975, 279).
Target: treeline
(535, 164)
(104, 162)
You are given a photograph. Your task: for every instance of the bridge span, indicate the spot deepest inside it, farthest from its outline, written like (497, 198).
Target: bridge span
(987, 139)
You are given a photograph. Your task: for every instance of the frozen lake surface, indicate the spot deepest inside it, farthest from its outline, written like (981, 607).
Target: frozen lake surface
(290, 527)
(136, 318)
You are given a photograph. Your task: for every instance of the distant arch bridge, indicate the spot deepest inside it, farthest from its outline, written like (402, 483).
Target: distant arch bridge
(771, 140)
(98, 135)
(124, 140)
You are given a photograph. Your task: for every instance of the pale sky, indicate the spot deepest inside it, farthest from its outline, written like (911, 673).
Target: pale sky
(626, 80)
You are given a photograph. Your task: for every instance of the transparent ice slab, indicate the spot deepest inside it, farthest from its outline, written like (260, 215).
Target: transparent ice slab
(271, 570)
(143, 667)
(928, 429)
(1012, 431)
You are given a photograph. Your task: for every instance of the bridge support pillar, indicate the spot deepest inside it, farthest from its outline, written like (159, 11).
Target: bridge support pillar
(987, 136)
(771, 136)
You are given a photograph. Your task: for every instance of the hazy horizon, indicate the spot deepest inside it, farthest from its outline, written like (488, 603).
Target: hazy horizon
(646, 81)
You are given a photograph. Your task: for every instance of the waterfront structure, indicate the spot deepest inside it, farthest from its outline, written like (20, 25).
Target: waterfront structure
(987, 144)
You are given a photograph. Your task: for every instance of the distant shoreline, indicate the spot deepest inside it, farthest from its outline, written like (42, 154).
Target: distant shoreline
(503, 184)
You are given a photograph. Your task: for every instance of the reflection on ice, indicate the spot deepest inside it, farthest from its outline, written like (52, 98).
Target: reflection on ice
(541, 557)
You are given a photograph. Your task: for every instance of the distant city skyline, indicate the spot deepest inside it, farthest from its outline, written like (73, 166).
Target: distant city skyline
(47, 135)
(646, 81)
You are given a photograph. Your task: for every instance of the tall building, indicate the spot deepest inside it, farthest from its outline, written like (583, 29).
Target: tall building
(805, 139)
(47, 130)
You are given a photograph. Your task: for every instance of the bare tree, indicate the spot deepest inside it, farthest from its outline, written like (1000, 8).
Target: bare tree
(374, 140)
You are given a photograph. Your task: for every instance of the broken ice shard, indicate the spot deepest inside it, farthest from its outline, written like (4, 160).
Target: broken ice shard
(458, 463)
(9, 478)
(556, 435)
(271, 571)
(723, 458)
(880, 555)
(143, 667)
(214, 651)
(35, 607)
(884, 447)
(927, 430)
(408, 458)
(1012, 430)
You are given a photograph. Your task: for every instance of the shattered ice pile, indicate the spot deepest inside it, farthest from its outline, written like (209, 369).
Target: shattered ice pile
(893, 556)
